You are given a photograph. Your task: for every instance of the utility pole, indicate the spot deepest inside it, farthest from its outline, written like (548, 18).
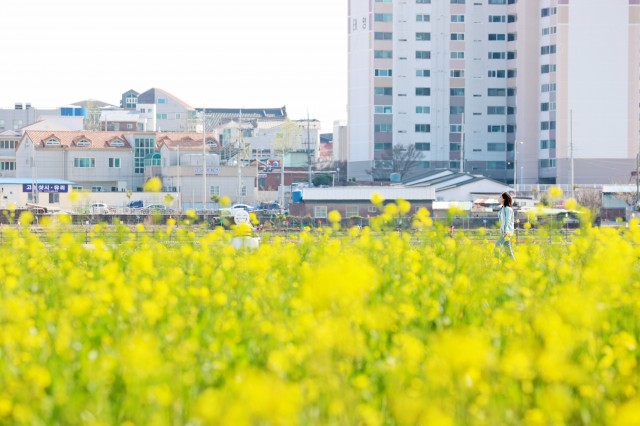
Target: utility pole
(204, 160)
(571, 148)
(637, 181)
(462, 146)
(309, 150)
(238, 157)
(515, 168)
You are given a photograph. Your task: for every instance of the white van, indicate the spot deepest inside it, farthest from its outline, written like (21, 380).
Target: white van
(99, 208)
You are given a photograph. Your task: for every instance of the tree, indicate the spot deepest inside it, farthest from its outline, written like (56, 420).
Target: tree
(590, 198)
(340, 170)
(401, 159)
(322, 180)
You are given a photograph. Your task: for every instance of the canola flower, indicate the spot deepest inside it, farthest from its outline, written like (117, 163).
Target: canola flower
(369, 327)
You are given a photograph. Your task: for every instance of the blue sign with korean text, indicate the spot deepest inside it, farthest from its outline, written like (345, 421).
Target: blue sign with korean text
(41, 187)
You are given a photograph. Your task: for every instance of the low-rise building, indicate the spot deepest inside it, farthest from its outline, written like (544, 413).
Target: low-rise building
(355, 201)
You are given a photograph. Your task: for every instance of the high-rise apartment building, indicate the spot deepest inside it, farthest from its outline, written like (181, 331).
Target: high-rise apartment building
(505, 88)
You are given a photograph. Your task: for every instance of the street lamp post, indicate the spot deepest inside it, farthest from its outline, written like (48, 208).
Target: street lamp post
(515, 168)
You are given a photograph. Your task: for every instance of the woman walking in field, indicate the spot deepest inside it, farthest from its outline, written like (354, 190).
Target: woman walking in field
(505, 216)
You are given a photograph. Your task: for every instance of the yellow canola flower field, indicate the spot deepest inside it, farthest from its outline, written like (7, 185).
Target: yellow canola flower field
(361, 328)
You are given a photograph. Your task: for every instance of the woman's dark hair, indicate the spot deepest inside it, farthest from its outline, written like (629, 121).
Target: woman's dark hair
(507, 199)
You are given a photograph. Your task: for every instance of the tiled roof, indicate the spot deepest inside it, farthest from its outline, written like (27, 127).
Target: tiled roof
(247, 112)
(187, 141)
(98, 140)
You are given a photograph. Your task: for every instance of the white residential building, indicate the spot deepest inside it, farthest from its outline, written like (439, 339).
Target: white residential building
(467, 81)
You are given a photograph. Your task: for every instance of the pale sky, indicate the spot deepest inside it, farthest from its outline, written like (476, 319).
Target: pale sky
(217, 53)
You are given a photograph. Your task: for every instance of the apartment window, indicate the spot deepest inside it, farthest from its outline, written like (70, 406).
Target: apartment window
(383, 17)
(497, 55)
(512, 37)
(548, 50)
(17, 124)
(423, 164)
(455, 128)
(383, 128)
(383, 36)
(497, 2)
(546, 69)
(456, 73)
(456, 110)
(512, 18)
(548, 163)
(162, 101)
(457, 1)
(423, 36)
(383, 91)
(320, 212)
(548, 106)
(423, 73)
(548, 144)
(243, 191)
(496, 110)
(457, 55)
(497, 18)
(457, 36)
(52, 142)
(423, 54)
(496, 92)
(423, 18)
(383, 72)
(162, 116)
(423, 1)
(214, 190)
(423, 146)
(456, 91)
(423, 110)
(511, 110)
(423, 128)
(455, 146)
(497, 37)
(178, 116)
(548, 11)
(457, 18)
(84, 163)
(547, 125)
(496, 147)
(496, 73)
(548, 87)
(549, 30)
(511, 91)
(423, 91)
(384, 1)
(382, 146)
(512, 73)
(7, 144)
(496, 165)
(383, 54)
(383, 109)
(495, 129)
(512, 55)
(114, 163)
(383, 164)
(1, 124)
(7, 165)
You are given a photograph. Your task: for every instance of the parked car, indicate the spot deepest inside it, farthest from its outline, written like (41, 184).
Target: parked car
(99, 208)
(136, 204)
(157, 208)
(245, 207)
